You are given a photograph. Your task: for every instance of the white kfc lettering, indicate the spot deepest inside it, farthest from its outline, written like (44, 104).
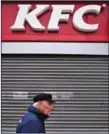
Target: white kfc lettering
(78, 21)
(31, 17)
(59, 13)
(57, 16)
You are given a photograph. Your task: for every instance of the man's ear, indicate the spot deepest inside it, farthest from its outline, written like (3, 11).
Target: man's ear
(35, 104)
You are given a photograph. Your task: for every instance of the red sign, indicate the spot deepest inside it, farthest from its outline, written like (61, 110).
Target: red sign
(59, 21)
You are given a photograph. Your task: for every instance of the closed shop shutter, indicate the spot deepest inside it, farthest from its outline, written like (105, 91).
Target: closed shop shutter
(79, 85)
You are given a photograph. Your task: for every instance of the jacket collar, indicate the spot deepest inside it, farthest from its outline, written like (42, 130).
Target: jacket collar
(37, 112)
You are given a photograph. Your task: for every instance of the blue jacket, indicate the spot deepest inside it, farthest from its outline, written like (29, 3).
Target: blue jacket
(32, 122)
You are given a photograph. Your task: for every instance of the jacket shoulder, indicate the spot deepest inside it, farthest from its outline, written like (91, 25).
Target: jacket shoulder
(29, 117)
(29, 123)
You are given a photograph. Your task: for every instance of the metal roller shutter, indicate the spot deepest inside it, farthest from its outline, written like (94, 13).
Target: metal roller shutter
(78, 83)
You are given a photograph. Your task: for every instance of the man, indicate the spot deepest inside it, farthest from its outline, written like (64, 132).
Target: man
(33, 120)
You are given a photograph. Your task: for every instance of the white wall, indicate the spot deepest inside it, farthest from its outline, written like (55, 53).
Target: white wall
(54, 48)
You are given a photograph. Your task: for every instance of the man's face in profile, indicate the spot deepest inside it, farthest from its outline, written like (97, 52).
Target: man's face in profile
(46, 107)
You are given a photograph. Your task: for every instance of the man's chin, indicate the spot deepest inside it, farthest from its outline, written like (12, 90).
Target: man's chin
(48, 114)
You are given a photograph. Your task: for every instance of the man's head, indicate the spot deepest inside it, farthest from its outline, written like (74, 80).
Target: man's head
(44, 103)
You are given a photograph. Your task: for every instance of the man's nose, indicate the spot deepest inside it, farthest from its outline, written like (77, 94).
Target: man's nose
(52, 107)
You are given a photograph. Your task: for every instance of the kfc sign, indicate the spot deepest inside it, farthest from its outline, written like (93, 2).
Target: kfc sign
(55, 21)
(60, 13)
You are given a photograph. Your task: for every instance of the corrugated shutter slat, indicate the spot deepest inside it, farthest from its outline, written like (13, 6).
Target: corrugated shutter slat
(78, 83)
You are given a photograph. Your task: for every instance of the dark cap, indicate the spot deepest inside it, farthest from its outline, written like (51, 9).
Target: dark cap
(43, 97)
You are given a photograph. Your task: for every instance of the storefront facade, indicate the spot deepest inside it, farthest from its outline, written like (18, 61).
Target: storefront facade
(57, 47)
